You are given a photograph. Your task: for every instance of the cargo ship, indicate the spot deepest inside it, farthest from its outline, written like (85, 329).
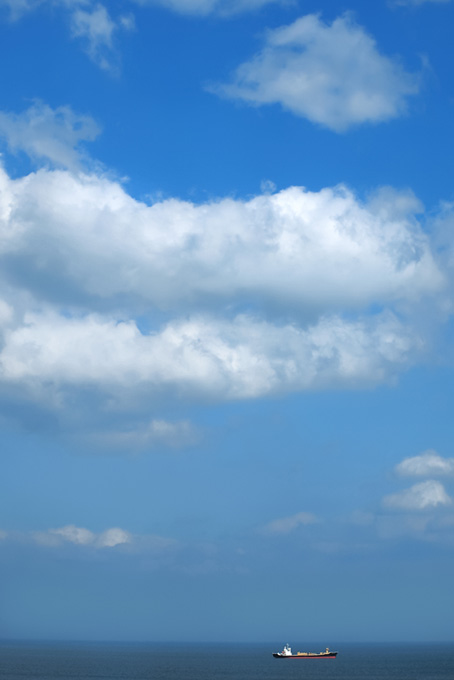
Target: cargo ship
(287, 654)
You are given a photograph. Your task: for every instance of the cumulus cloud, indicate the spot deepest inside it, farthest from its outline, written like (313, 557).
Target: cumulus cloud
(423, 496)
(48, 134)
(286, 525)
(308, 252)
(237, 359)
(331, 74)
(225, 300)
(427, 464)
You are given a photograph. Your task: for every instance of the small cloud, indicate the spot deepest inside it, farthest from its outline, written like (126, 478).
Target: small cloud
(286, 525)
(96, 28)
(422, 496)
(427, 464)
(113, 537)
(154, 546)
(17, 8)
(128, 22)
(267, 187)
(83, 537)
(49, 134)
(89, 22)
(331, 74)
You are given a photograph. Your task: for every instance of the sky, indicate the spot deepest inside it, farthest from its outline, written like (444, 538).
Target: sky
(226, 318)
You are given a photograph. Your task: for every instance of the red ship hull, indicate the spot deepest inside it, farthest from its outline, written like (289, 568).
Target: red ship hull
(306, 656)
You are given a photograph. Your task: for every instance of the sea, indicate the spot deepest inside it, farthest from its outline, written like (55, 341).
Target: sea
(166, 661)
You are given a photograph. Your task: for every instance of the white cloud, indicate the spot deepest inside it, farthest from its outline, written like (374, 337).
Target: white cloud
(82, 260)
(49, 134)
(17, 8)
(333, 75)
(429, 494)
(286, 525)
(237, 359)
(96, 28)
(73, 534)
(304, 252)
(112, 537)
(427, 464)
(83, 537)
(89, 21)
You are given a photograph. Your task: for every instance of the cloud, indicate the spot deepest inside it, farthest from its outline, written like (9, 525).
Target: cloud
(286, 525)
(83, 537)
(112, 537)
(427, 464)
(204, 357)
(332, 75)
(90, 22)
(115, 306)
(425, 495)
(48, 134)
(17, 8)
(73, 534)
(301, 251)
(96, 28)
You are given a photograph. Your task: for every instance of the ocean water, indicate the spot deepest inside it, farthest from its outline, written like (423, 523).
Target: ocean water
(143, 661)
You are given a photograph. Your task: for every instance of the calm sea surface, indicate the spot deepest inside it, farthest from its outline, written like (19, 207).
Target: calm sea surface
(109, 661)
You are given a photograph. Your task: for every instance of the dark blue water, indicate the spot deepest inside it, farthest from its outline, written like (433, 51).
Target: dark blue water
(126, 661)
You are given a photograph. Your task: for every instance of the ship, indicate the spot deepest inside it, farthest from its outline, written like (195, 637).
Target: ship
(287, 654)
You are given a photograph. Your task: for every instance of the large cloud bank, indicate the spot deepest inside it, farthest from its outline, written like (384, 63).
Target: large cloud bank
(232, 299)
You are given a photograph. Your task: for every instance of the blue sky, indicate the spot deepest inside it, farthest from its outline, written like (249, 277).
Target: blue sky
(226, 366)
